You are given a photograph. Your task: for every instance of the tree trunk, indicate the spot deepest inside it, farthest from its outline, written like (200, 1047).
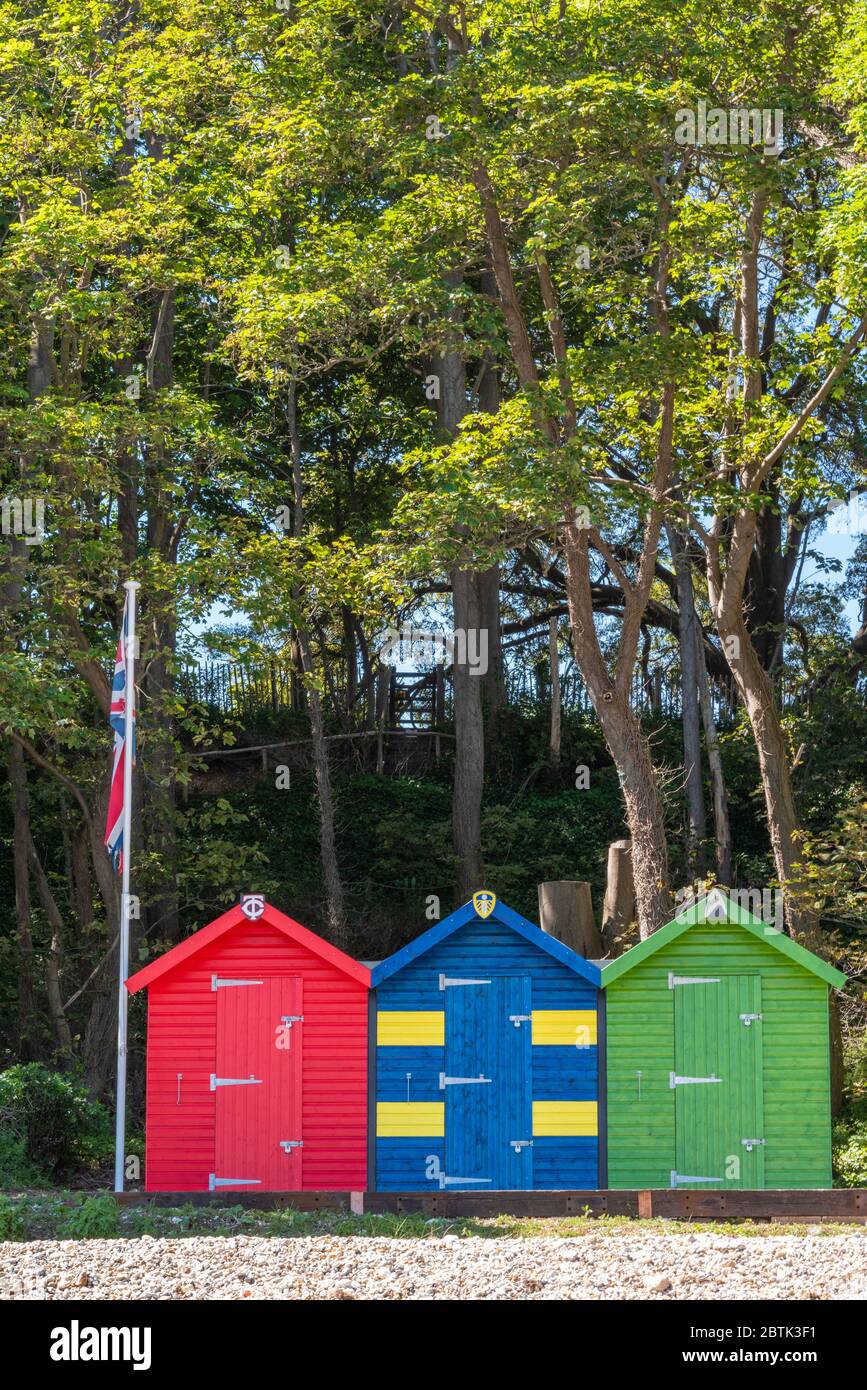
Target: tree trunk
(618, 908)
(59, 1023)
(645, 814)
(757, 693)
(335, 910)
(28, 1028)
(467, 686)
(566, 913)
(469, 746)
(554, 657)
(159, 732)
(696, 829)
(722, 825)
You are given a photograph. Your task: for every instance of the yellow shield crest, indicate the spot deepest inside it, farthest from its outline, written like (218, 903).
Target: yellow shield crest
(484, 903)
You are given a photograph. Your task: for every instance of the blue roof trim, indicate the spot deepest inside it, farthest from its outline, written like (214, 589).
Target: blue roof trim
(501, 913)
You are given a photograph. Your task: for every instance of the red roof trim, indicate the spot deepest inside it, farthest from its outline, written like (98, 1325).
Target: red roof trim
(233, 918)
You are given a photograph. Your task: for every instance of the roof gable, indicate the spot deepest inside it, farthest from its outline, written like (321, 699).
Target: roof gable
(507, 917)
(717, 906)
(235, 917)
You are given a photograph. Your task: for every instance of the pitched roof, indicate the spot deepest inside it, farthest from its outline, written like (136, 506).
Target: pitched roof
(236, 917)
(501, 913)
(717, 906)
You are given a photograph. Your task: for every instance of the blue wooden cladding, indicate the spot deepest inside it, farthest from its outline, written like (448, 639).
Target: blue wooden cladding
(486, 1054)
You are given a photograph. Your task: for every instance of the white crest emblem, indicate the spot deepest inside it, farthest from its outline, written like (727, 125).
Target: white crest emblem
(484, 903)
(715, 907)
(252, 905)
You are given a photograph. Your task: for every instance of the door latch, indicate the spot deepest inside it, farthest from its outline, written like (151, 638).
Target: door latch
(747, 1019)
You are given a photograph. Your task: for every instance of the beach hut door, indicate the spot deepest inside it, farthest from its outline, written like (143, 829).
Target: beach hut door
(717, 1081)
(259, 1143)
(486, 1084)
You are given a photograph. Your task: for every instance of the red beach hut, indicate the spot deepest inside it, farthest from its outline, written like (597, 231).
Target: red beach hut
(256, 1059)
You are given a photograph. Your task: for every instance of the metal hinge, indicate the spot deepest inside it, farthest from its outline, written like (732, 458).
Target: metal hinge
(675, 1080)
(218, 983)
(287, 1145)
(674, 980)
(519, 1144)
(444, 1181)
(683, 1178)
(518, 1019)
(250, 1080)
(214, 1182)
(750, 1144)
(747, 1019)
(463, 1080)
(446, 980)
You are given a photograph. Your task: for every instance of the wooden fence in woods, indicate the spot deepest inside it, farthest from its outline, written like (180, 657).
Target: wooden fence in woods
(421, 699)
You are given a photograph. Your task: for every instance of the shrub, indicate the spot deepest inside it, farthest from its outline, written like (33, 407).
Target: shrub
(57, 1127)
(11, 1221)
(94, 1217)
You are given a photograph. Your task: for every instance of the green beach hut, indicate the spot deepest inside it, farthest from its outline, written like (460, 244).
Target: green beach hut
(718, 1056)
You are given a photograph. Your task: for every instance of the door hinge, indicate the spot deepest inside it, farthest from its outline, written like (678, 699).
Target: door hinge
(674, 980)
(747, 1019)
(287, 1145)
(519, 1144)
(680, 1179)
(463, 1080)
(214, 1182)
(250, 1080)
(675, 1080)
(218, 983)
(444, 1181)
(750, 1144)
(518, 1019)
(446, 980)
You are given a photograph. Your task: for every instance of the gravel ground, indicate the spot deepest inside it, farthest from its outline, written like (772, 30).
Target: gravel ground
(606, 1266)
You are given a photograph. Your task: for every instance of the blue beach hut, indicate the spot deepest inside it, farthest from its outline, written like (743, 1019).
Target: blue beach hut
(486, 1059)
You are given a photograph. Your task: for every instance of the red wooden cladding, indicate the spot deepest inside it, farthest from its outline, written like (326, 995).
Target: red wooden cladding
(313, 1073)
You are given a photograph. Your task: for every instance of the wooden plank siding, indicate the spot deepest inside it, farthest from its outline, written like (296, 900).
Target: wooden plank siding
(182, 1038)
(410, 1057)
(795, 1068)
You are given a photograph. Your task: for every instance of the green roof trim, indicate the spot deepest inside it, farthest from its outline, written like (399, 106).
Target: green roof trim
(724, 910)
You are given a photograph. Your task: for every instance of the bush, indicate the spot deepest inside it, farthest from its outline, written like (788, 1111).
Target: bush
(850, 1145)
(16, 1169)
(94, 1217)
(11, 1221)
(50, 1122)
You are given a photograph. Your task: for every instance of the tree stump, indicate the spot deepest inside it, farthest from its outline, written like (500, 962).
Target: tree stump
(618, 908)
(566, 913)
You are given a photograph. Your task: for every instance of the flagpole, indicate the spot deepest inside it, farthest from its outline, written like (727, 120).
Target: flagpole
(123, 945)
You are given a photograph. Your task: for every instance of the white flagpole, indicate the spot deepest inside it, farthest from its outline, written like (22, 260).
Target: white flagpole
(123, 946)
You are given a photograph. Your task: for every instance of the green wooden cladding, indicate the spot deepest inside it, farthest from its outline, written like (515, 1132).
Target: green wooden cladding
(678, 1007)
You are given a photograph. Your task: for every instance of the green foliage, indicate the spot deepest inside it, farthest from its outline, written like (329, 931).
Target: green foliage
(58, 1128)
(93, 1218)
(12, 1224)
(850, 1146)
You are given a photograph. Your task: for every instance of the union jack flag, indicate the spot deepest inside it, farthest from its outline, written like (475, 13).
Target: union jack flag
(117, 715)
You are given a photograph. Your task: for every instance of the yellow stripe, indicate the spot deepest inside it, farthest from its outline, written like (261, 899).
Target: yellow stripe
(402, 1119)
(564, 1117)
(411, 1029)
(564, 1027)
